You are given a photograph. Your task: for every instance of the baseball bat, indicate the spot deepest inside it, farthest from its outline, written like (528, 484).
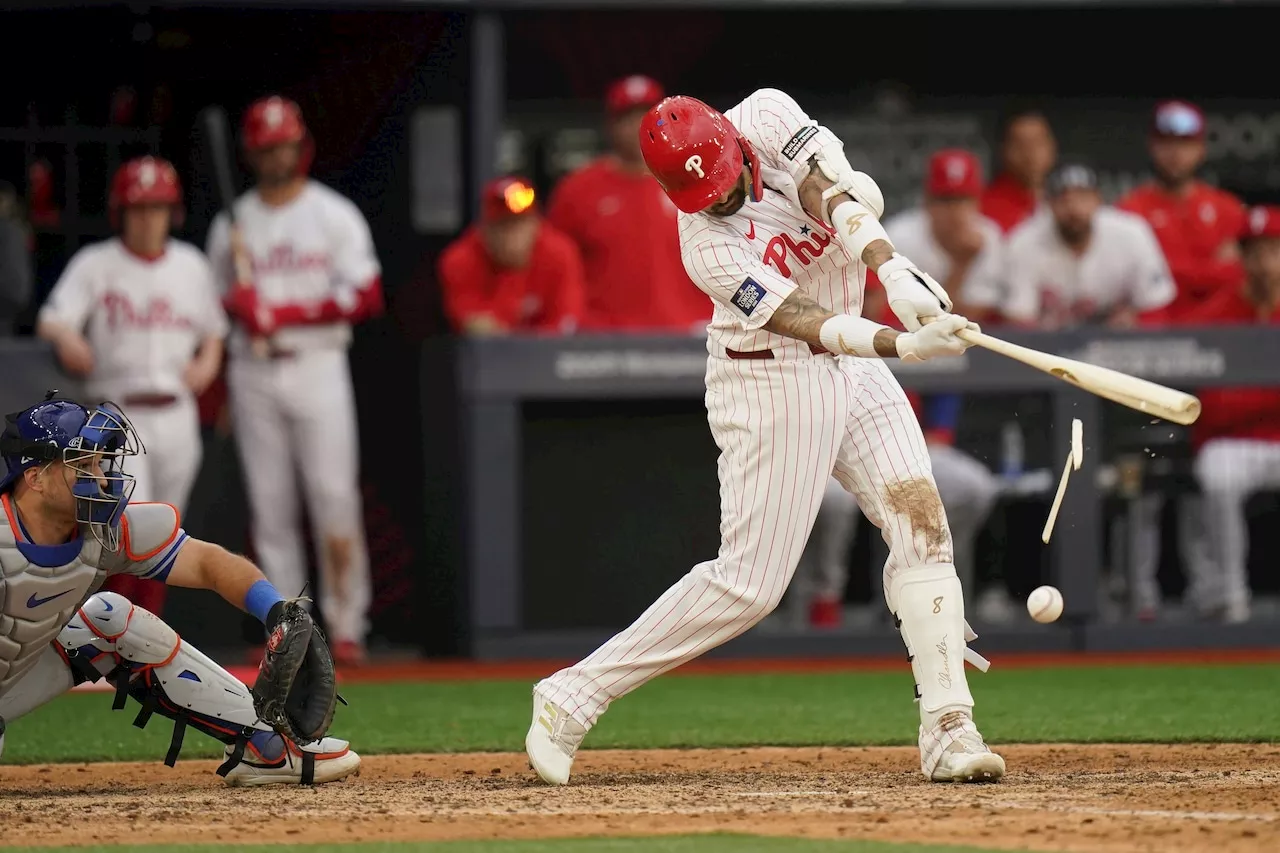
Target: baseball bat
(217, 136)
(1139, 394)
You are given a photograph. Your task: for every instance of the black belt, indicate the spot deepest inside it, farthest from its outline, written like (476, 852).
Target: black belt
(767, 354)
(150, 401)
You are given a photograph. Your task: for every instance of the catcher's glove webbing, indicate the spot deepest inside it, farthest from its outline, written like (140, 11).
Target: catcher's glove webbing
(296, 692)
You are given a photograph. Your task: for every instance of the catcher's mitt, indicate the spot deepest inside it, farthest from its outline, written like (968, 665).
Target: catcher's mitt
(296, 691)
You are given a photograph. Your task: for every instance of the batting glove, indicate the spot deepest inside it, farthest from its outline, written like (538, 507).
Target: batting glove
(935, 339)
(912, 293)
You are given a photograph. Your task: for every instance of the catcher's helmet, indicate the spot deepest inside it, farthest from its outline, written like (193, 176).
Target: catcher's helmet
(276, 120)
(93, 442)
(695, 153)
(145, 180)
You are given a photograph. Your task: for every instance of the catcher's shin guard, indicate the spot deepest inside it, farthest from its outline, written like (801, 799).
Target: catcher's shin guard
(145, 658)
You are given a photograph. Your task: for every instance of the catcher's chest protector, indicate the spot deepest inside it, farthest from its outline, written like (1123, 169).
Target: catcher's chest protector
(36, 601)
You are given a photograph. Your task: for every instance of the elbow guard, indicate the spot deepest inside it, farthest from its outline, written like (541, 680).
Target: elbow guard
(835, 168)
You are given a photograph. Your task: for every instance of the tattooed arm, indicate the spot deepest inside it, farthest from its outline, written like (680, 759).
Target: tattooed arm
(801, 318)
(912, 294)
(811, 188)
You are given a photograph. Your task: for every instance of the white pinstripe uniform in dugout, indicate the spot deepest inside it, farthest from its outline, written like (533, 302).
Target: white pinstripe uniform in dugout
(786, 415)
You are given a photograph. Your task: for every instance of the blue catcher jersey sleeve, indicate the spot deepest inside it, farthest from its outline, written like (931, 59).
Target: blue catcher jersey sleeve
(150, 541)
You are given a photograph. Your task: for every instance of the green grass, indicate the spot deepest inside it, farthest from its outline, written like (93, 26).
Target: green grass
(1104, 704)
(674, 844)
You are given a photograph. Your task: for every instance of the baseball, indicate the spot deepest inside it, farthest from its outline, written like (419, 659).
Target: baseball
(1045, 604)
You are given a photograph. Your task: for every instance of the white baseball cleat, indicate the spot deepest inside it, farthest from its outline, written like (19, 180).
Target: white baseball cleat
(553, 740)
(327, 760)
(953, 751)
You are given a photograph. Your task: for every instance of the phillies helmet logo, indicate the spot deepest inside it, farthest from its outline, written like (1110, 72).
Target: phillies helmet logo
(147, 174)
(694, 164)
(1258, 220)
(273, 115)
(957, 170)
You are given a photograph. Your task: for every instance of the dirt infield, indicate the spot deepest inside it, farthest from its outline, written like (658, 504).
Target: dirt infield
(1223, 798)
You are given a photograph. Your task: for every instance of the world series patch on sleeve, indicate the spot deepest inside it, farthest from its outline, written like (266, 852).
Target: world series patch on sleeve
(748, 296)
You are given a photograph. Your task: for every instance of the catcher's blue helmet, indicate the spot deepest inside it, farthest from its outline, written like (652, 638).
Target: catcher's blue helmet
(93, 442)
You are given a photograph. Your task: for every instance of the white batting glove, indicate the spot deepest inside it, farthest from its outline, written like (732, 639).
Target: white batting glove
(912, 293)
(938, 338)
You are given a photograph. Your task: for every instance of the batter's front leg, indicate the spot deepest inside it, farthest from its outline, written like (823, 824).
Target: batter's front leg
(885, 463)
(775, 459)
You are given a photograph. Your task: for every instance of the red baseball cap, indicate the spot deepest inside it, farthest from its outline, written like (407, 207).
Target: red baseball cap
(632, 93)
(1177, 120)
(507, 197)
(954, 173)
(1261, 221)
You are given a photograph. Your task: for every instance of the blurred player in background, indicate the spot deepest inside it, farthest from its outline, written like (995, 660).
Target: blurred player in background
(512, 271)
(1085, 262)
(625, 227)
(953, 242)
(314, 275)
(139, 317)
(776, 226)
(1028, 152)
(1238, 434)
(1196, 224)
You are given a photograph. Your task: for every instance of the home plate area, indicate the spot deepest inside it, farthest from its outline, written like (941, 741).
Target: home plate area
(1222, 798)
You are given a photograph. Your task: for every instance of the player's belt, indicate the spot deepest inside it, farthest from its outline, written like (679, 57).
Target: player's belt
(766, 354)
(152, 401)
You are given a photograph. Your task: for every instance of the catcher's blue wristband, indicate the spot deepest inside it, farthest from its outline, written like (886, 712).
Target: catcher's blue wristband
(260, 599)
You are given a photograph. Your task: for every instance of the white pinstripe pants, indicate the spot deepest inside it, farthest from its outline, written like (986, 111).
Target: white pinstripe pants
(783, 427)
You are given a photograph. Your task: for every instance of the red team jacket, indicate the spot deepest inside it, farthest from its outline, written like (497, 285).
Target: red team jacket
(1190, 231)
(626, 229)
(1244, 413)
(1007, 202)
(545, 296)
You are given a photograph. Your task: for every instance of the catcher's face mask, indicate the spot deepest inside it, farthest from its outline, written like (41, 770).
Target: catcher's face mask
(92, 443)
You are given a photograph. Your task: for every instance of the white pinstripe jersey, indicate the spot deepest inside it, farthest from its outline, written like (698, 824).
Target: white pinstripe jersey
(748, 263)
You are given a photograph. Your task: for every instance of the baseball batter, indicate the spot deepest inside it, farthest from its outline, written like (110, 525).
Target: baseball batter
(138, 316)
(69, 525)
(314, 274)
(779, 230)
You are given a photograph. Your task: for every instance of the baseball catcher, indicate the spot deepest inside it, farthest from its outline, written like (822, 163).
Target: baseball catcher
(70, 526)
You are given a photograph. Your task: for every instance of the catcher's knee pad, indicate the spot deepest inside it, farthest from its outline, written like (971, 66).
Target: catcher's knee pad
(145, 658)
(929, 612)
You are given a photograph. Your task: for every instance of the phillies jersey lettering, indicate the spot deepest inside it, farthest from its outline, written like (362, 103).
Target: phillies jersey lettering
(314, 248)
(803, 250)
(144, 318)
(158, 313)
(283, 258)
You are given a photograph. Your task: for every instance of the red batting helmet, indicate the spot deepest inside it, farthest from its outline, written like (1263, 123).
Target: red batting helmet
(276, 120)
(695, 153)
(145, 180)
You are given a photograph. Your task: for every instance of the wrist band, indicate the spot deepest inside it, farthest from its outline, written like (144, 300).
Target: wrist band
(845, 334)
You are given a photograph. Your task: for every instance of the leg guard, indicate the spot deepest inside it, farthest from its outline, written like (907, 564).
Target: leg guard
(145, 658)
(928, 607)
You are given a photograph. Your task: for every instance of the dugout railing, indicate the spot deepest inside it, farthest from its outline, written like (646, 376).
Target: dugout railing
(584, 478)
